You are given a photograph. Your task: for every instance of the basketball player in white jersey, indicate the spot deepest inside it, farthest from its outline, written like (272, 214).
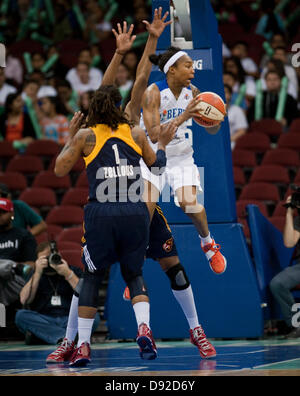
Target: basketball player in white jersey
(173, 100)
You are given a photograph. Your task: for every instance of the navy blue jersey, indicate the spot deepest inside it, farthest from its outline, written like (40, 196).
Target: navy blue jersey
(113, 167)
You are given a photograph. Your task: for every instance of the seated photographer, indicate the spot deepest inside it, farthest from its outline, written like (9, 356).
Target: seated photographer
(17, 252)
(48, 293)
(282, 284)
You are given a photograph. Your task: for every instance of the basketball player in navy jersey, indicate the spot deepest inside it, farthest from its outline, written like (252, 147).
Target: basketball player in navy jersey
(171, 101)
(116, 219)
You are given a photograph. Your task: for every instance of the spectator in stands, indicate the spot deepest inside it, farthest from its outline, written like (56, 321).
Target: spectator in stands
(281, 54)
(15, 124)
(5, 89)
(44, 89)
(94, 79)
(278, 40)
(24, 216)
(237, 119)
(234, 66)
(282, 284)
(270, 22)
(67, 96)
(240, 50)
(84, 102)
(97, 28)
(54, 123)
(17, 252)
(271, 99)
(84, 82)
(13, 69)
(38, 60)
(48, 292)
(30, 93)
(62, 28)
(123, 81)
(131, 61)
(278, 66)
(237, 98)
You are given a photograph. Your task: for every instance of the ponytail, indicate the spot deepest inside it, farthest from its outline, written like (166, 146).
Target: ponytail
(162, 59)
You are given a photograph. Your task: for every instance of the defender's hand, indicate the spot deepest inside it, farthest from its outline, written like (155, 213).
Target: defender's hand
(124, 39)
(159, 23)
(76, 123)
(167, 133)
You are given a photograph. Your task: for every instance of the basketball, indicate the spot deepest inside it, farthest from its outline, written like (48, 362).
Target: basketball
(211, 110)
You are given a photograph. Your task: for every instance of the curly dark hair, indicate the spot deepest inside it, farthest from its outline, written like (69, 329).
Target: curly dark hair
(105, 108)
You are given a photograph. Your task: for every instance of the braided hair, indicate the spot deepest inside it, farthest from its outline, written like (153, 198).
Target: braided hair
(105, 108)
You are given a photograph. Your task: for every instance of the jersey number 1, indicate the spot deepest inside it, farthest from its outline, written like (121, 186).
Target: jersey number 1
(117, 156)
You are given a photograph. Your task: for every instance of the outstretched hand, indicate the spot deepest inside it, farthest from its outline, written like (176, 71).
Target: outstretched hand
(76, 123)
(124, 38)
(158, 24)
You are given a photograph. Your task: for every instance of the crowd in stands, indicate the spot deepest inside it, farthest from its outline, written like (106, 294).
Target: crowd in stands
(57, 53)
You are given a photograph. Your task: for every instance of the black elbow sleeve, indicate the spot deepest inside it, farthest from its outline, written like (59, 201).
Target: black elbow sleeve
(159, 165)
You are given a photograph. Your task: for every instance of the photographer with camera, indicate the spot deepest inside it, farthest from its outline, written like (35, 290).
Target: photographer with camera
(282, 284)
(49, 293)
(17, 256)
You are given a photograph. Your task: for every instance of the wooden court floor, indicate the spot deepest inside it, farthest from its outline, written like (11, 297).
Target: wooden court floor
(234, 358)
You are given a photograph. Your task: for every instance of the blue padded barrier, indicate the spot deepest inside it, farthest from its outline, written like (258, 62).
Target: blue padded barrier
(228, 305)
(270, 257)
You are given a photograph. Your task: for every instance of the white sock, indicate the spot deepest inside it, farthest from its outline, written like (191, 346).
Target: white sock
(185, 299)
(142, 313)
(72, 327)
(84, 330)
(206, 240)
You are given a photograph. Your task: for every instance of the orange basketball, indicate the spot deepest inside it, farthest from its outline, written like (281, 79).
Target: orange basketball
(211, 110)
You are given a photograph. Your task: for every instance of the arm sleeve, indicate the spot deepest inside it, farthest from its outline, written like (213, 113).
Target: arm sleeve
(158, 167)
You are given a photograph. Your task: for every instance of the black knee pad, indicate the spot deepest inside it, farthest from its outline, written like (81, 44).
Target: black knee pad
(78, 288)
(178, 277)
(137, 287)
(89, 293)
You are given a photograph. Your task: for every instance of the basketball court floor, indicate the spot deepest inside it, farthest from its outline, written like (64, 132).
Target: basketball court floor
(273, 357)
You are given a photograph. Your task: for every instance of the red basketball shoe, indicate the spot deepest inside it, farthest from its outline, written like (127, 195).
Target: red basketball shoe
(62, 354)
(126, 294)
(81, 356)
(146, 343)
(198, 338)
(217, 261)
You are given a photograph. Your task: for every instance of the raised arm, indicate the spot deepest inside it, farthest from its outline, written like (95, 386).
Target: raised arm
(124, 41)
(155, 30)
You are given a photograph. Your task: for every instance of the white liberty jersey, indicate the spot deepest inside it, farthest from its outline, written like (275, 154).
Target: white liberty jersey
(170, 109)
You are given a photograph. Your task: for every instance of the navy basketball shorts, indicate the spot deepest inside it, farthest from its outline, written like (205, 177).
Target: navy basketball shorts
(116, 232)
(161, 241)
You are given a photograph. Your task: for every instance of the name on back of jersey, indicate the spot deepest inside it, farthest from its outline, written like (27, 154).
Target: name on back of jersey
(111, 172)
